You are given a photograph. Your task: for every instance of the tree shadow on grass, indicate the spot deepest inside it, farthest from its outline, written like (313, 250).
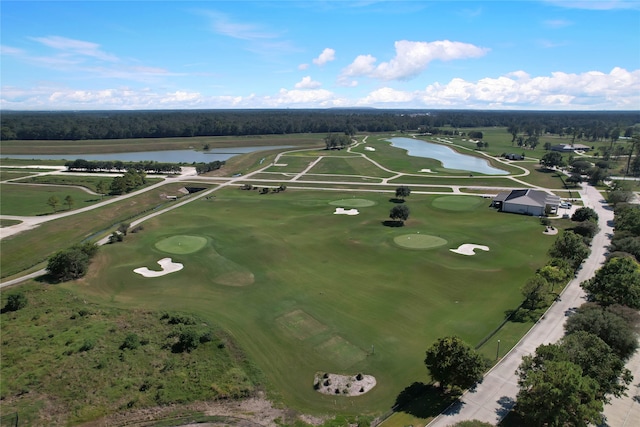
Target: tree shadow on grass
(391, 223)
(396, 200)
(425, 401)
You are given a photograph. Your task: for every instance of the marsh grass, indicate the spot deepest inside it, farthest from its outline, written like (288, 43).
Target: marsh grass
(63, 360)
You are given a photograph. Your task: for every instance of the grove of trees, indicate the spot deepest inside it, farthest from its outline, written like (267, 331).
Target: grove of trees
(71, 263)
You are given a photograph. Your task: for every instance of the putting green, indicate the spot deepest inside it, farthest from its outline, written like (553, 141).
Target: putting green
(419, 241)
(353, 203)
(181, 244)
(457, 203)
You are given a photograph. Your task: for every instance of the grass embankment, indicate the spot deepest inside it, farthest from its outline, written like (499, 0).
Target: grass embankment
(153, 144)
(66, 361)
(303, 290)
(31, 248)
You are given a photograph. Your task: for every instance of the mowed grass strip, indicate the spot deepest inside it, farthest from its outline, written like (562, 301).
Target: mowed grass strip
(344, 272)
(300, 324)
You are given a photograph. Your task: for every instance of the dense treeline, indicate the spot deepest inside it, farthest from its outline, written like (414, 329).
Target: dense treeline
(186, 123)
(110, 166)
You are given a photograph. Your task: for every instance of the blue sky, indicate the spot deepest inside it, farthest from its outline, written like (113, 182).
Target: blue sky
(533, 55)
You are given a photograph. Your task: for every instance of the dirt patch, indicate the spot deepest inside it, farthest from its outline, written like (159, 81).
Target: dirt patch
(252, 412)
(343, 385)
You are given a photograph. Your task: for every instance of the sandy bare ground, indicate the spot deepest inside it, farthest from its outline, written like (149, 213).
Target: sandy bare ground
(343, 211)
(469, 249)
(167, 265)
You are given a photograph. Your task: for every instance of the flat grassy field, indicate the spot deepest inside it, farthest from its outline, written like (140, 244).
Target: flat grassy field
(303, 290)
(32, 200)
(90, 182)
(31, 248)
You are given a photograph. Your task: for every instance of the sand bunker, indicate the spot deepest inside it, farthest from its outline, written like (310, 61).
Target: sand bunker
(551, 231)
(427, 170)
(343, 385)
(343, 211)
(167, 265)
(369, 148)
(468, 249)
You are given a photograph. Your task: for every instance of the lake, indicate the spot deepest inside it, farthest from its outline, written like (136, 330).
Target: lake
(166, 156)
(449, 158)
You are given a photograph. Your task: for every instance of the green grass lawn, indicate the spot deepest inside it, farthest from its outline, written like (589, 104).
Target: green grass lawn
(303, 290)
(31, 248)
(90, 182)
(355, 165)
(32, 200)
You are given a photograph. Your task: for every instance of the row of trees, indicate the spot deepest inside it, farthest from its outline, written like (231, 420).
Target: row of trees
(119, 166)
(568, 383)
(54, 202)
(163, 124)
(202, 168)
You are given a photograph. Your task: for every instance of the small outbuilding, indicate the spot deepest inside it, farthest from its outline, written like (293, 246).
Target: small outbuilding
(526, 202)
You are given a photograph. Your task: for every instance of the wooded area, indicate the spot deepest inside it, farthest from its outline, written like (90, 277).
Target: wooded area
(64, 125)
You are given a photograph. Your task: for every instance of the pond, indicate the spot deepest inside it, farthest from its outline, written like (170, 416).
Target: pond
(449, 158)
(166, 156)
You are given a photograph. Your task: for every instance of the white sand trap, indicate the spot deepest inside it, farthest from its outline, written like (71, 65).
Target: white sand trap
(468, 249)
(369, 148)
(343, 211)
(427, 170)
(167, 265)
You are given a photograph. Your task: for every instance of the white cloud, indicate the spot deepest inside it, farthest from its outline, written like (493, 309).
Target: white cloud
(76, 47)
(307, 83)
(596, 4)
(303, 67)
(411, 59)
(618, 89)
(327, 55)
(557, 23)
(387, 95)
(223, 24)
(8, 50)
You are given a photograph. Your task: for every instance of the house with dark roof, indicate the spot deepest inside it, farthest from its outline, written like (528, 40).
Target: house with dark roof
(526, 202)
(568, 148)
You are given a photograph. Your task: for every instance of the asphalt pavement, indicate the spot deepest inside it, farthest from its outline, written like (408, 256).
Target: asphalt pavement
(492, 400)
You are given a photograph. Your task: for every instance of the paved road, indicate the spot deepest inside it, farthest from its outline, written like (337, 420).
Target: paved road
(495, 396)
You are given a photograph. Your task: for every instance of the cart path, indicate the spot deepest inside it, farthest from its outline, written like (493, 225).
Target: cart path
(492, 400)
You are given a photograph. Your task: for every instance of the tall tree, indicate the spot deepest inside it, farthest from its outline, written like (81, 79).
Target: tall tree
(453, 363)
(69, 201)
(570, 247)
(607, 325)
(54, 202)
(617, 282)
(399, 213)
(552, 159)
(403, 191)
(557, 394)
